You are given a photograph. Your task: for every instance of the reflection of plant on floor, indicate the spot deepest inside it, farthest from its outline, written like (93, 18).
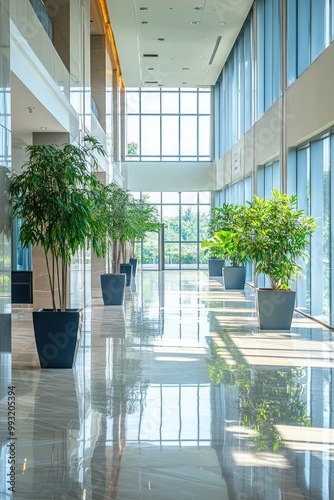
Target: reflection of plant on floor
(141, 329)
(266, 397)
(273, 398)
(124, 393)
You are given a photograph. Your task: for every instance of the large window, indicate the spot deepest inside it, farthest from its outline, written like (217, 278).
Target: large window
(234, 105)
(268, 53)
(310, 172)
(168, 124)
(310, 31)
(185, 216)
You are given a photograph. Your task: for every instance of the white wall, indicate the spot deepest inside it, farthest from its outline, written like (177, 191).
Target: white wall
(169, 176)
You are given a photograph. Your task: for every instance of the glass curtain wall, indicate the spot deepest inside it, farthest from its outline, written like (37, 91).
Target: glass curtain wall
(268, 53)
(310, 171)
(310, 31)
(185, 216)
(168, 124)
(233, 92)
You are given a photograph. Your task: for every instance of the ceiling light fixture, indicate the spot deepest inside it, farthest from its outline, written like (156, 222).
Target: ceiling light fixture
(198, 8)
(143, 8)
(43, 128)
(144, 22)
(194, 22)
(160, 39)
(184, 69)
(215, 49)
(31, 108)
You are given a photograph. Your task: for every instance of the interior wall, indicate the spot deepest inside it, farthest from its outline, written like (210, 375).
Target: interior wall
(309, 100)
(169, 176)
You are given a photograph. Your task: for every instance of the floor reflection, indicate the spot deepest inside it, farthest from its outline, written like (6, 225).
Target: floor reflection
(176, 395)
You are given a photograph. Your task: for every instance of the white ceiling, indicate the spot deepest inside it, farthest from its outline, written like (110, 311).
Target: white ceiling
(189, 55)
(185, 45)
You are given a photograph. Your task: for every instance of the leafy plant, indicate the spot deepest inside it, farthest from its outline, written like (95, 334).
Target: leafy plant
(5, 220)
(59, 200)
(120, 222)
(146, 220)
(276, 235)
(226, 241)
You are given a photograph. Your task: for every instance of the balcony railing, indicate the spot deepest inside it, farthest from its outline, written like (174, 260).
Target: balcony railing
(43, 16)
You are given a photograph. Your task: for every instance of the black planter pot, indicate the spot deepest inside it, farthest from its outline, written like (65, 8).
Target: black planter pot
(234, 277)
(113, 289)
(127, 269)
(134, 262)
(275, 308)
(57, 336)
(216, 266)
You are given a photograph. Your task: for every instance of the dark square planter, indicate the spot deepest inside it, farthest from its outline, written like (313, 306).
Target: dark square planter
(57, 336)
(127, 269)
(113, 289)
(234, 277)
(275, 308)
(216, 266)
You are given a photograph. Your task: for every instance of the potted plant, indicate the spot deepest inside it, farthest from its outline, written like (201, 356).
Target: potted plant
(119, 224)
(216, 261)
(57, 197)
(228, 243)
(276, 236)
(146, 220)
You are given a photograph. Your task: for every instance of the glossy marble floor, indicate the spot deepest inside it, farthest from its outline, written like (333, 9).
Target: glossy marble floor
(175, 396)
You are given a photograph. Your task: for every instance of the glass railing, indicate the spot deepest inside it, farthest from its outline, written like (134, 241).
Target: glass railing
(43, 16)
(24, 18)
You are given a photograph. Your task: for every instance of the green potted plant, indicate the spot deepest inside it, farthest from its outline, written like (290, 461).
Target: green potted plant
(276, 236)
(146, 220)
(228, 243)
(215, 262)
(58, 199)
(118, 218)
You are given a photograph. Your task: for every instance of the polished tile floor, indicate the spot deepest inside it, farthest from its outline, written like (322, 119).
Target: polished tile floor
(175, 396)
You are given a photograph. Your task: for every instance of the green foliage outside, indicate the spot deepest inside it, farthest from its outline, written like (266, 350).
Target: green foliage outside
(132, 148)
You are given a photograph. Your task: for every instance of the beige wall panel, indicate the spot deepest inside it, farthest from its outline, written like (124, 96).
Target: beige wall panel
(169, 176)
(309, 100)
(267, 135)
(248, 153)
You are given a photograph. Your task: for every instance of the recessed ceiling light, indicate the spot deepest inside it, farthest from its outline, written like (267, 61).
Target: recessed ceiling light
(194, 22)
(198, 8)
(184, 83)
(222, 23)
(150, 69)
(144, 22)
(185, 69)
(43, 128)
(143, 8)
(160, 39)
